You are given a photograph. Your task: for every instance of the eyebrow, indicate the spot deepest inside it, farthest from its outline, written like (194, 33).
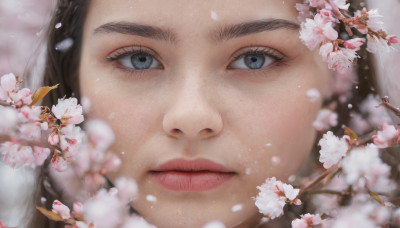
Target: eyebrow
(247, 28)
(130, 28)
(221, 34)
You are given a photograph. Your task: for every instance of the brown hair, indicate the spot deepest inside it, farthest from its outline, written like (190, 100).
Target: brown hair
(62, 65)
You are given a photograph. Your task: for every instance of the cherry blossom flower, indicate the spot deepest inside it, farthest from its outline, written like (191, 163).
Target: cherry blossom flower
(273, 196)
(137, 222)
(339, 4)
(325, 119)
(8, 82)
(100, 133)
(342, 59)
(16, 155)
(58, 162)
(104, 210)
(61, 209)
(375, 22)
(127, 189)
(31, 132)
(8, 117)
(332, 149)
(77, 210)
(374, 44)
(387, 137)
(363, 214)
(314, 31)
(363, 168)
(29, 114)
(354, 44)
(40, 155)
(68, 111)
(22, 97)
(307, 220)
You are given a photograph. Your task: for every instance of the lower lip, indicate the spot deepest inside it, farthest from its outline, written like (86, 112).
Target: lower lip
(190, 181)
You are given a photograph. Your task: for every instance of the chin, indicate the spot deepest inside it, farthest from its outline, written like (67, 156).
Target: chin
(197, 214)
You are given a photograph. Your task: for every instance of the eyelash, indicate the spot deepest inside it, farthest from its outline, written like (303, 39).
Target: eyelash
(278, 57)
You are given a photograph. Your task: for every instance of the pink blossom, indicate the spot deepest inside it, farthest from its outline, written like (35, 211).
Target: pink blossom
(325, 119)
(374, 44)
(273, 196)
(332, 149)
(392, 39)
(71, 139)
(27, 113)
(307, 220)
(354, 44)
(16, 155)
(339, 4)
(8, 82)
(325, 50)
(31, 132)
(127, 189)
(40, 154)
(363, 168)
(53, 138)
(363, 214)
(341, 59)
(137, 222)
(100, 133)
(61, 209)
(112, 162)
(387, 137)
(68, 111)
(375, 22)
(22, 97)
(104, 210)
(8, 117)
(58, 162)
(314, 31)
(77, 209)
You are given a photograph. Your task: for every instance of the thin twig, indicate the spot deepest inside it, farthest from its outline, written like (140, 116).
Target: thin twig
(385, 103)
(318, 179)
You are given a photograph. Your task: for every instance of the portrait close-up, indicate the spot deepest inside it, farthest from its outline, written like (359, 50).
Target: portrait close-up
(199, 114)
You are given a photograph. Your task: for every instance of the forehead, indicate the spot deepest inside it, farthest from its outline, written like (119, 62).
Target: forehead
(194, 15)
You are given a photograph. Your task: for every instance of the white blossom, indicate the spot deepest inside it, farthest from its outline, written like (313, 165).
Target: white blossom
(332, 149)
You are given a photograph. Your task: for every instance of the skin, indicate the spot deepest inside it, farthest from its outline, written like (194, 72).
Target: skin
(196, 105)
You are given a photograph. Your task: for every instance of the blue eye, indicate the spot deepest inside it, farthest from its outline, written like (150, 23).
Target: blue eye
(139, 61)
(252, 61)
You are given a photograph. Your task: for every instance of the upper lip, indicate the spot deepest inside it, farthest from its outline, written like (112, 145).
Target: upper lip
(197, 165)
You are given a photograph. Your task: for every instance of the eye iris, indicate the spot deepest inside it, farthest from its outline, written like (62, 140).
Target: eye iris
(254, 61)
(141, 61)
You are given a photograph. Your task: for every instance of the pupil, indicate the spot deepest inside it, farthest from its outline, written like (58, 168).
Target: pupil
(141, 61)
(254, 61)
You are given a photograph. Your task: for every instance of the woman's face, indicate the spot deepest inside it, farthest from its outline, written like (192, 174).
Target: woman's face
(207, 99)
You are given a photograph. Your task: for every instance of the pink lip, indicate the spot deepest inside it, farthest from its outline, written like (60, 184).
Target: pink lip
(191, 175)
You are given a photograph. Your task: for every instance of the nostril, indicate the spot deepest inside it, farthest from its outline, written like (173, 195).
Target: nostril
(206, 131)
(176, 131)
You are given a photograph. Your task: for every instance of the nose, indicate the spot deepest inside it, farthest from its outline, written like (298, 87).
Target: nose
(191, 115)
